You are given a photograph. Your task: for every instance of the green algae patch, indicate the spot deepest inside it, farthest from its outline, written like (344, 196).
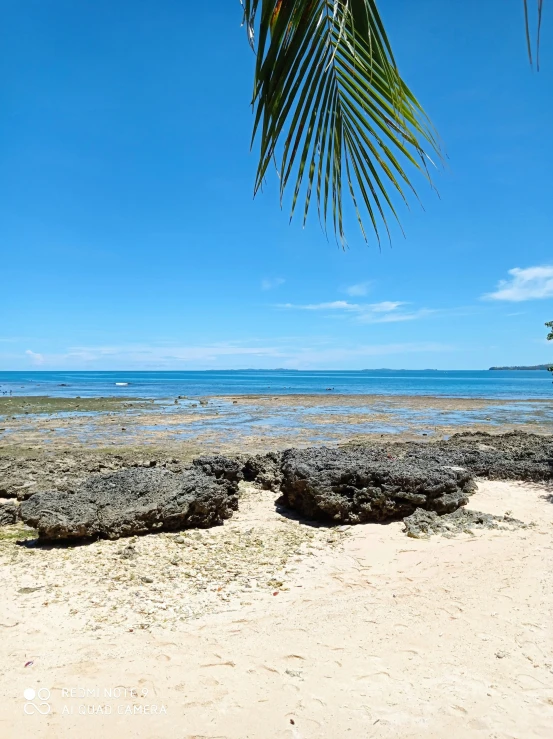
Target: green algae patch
(17, 532)
(42, 404)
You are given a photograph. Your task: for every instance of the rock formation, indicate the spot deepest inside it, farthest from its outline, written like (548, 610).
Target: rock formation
(132, 501)
(350, 486)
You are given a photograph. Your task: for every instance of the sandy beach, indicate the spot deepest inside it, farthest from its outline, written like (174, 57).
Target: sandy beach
(370, 634)
(271, 625)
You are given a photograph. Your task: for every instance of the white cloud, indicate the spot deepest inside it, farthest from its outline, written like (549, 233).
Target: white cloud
(35, 357)
(385, 312)
(395, 317)
(362, 288)
(270, 284)
(160, 355)
(383, 307)
(334, 305)
(531, 283)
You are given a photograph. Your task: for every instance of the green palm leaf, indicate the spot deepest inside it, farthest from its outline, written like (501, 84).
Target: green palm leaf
(538, 32)
(331, 109)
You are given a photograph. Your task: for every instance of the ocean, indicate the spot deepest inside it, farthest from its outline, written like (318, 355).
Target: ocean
(516, 384)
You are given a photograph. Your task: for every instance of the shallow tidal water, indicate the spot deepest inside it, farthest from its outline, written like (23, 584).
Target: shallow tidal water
(262, 422)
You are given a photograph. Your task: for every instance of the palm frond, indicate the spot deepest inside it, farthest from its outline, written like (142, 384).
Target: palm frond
(538, 31)
(331, 109)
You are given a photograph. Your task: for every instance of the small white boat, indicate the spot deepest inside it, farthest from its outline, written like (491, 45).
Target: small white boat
(121, 383)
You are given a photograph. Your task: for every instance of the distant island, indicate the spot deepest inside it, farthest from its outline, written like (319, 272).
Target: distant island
(534, 367)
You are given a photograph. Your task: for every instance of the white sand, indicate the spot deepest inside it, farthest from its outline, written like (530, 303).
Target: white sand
(378, 636)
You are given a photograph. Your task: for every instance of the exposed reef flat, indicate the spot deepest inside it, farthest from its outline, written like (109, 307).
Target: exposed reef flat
(15, 405)
(253, 424)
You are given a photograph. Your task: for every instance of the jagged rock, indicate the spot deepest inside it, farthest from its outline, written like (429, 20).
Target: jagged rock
(8, 513)
(422, 524)
(132, 501)
(7, 490)
(512, 456)
(264, 469)
(347, 486)
(220, 467)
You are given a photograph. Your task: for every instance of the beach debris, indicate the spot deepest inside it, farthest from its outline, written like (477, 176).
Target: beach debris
(352, 486)
(132, 501)
(422, 524)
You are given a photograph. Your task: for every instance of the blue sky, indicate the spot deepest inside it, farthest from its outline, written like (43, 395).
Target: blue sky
(130, 239)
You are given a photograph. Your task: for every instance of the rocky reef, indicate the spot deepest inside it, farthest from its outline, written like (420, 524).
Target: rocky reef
(510, 456)
(132, 501)
(350, 486)
(422, 524)
(8, 513)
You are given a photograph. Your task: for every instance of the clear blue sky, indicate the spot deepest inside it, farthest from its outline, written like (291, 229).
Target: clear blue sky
(130, 239)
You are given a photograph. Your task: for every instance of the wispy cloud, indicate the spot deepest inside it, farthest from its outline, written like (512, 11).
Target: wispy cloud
(270, 284)
(35, 357)
(531, 283)
(344, 305)
(160, 355)
(316, 355)
(362, 288)
(385, 312)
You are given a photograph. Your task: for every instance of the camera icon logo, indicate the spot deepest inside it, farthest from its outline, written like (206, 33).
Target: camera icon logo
(41, 698)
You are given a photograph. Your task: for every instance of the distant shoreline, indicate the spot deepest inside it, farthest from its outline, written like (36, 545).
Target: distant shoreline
(522, 367)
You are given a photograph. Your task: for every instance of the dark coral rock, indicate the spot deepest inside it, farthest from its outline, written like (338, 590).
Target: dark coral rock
(351, 486)
(264, 469)
(8, 513)
(422, 524)
(512, 456)
(220, 467)
(132, 501)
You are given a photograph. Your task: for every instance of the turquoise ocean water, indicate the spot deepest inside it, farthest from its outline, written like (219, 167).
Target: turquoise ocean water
(450, 383)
